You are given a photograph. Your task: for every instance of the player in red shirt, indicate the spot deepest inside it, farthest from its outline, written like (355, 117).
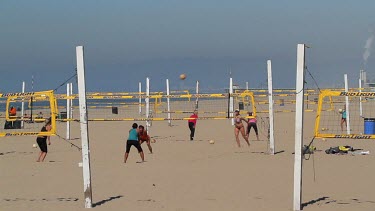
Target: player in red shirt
(192, 123)
(144, 137)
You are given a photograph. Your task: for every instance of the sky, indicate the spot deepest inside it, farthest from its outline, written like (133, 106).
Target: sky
(126, 41)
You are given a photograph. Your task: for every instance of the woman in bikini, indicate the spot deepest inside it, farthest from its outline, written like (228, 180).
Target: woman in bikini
(238, 126)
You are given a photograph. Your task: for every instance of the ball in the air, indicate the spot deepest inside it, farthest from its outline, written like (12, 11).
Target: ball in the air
(323, 129)
(182, 76)
(153, 141)
(34, 145)
(340, 110)
(323, 139)
(212, 141)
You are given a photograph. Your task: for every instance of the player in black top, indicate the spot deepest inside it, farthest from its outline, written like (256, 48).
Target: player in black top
(42, 141)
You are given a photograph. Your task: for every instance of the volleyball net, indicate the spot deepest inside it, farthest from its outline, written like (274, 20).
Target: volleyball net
(176, 106)
(346, 114)
(26, 113)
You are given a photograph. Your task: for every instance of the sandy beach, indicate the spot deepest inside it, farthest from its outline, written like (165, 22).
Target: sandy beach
(185, 175)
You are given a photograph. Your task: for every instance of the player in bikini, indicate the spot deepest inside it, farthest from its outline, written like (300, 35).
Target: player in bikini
(238, 126)
(252, 123)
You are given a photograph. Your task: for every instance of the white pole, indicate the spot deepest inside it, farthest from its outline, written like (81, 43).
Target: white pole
(23, 104)
(147, 103)
(84, 127)
(247, 85)
(140, 95)
(197, 92)
(347, 105)
(270, 108)
(71, 101)
(68, 111)
(231, 106)
(297, 191)
(168, 104)
(360, 98)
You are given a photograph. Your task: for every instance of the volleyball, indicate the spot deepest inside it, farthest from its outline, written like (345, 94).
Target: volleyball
(340, 110)
(153, 141)
(212, 141)
(34, 145)
(182, 76)
(323, 139)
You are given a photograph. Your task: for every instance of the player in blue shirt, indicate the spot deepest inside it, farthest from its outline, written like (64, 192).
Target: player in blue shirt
(133, 141)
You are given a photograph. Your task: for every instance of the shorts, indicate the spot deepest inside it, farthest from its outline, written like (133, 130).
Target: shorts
(343, 118)
(42, 143)
(254, 125)
(134, 143)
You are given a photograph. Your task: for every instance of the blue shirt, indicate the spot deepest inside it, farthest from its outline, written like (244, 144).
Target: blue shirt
(344, 114)
(133, 135)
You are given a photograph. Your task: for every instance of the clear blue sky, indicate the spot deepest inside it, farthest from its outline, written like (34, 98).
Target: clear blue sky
(125, 41)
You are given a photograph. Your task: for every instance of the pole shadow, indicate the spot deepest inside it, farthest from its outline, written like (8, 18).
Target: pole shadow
(314, 201)
(99, 203)
(279, 152)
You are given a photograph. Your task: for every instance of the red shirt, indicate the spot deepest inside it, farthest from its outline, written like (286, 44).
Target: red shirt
(143, 136)
(13, 111)
(193, 120)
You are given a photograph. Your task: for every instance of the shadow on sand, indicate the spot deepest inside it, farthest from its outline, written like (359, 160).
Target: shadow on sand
(314, 201)
(279, 152)
(99, 203)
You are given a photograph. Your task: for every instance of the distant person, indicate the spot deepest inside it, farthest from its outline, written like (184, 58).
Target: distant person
(39, 116)
(26, 118)
(13, 112)
(144, 137)
(192, 124)
(239, 127)
(343, 119)
(133, 141)
(252, 123)
(42, 141)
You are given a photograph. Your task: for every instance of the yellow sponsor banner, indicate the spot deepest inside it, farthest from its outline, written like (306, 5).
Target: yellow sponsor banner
(349, 136)
(26, 134)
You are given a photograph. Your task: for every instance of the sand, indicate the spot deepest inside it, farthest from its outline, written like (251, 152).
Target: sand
(185, 175)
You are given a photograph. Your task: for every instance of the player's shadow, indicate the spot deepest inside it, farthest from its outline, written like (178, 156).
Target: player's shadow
(4, 153)
(99, 203)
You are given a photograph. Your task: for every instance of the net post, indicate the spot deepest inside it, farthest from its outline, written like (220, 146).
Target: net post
(297, 190)
(147, 104)
(347, 105)
(84, 127)
(22, 105)
(270, 108)
(140, 97)
(168, 104)
(231, 109)
(247, 85)
(360, 98)
(68, 111)
(71, 101)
